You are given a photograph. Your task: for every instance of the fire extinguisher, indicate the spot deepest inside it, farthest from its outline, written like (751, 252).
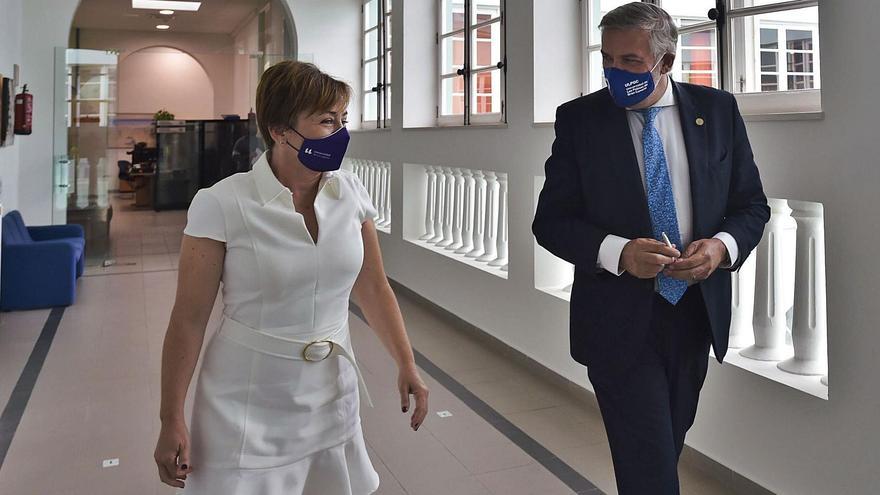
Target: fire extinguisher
(24, 112)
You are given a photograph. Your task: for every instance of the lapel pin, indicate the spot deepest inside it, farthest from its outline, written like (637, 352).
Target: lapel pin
(700, 121)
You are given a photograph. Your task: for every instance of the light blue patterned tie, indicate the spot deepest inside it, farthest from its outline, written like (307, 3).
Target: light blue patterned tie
(661, 202)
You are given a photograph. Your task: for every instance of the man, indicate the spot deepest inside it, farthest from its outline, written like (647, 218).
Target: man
(635, 164)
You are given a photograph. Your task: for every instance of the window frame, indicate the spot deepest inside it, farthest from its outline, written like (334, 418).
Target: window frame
(782, 52)
(753, 103)
(466, 72)
(381, 92)
(698, 27)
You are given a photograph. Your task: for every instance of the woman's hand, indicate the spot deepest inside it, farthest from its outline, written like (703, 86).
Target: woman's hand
(409, 382)
(172, 453)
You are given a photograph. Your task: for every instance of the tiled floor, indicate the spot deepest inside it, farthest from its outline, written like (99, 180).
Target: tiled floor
(97, 394)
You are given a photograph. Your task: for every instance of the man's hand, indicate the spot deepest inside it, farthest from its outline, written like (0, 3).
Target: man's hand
(699, 262)
(645, 258)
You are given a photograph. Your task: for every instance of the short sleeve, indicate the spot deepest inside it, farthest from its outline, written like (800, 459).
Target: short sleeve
(205, 217)
(365, 203)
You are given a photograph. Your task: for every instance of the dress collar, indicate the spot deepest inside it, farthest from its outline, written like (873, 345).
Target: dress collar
(269, 187)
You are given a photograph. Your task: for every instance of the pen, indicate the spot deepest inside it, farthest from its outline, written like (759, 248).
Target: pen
(668, 243)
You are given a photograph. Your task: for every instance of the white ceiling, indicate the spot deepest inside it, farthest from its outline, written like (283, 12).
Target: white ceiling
(214, 16)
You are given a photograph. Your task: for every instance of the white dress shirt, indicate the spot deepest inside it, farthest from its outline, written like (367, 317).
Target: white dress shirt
(668, 124)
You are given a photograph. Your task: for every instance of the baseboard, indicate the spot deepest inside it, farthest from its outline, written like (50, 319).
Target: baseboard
(691, 457)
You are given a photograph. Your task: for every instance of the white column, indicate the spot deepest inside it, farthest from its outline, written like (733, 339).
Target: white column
(384, 219)
(374, 182)
(380, 193)
(360, 171)
(479, 215)
(743, 304)
(362, 174)
(490, 239)
(770, 291)
(368, 178)
(809, 329)
(458, 211)
(824, 380)
(430, 203)
(82, 183)
(467, 228)
(439, 204)
(448, 208)
(387, 196)
(502, 241)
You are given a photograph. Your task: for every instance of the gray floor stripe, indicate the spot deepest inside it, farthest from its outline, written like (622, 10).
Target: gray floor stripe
(529, 445)
(21, 394)
(129, 273)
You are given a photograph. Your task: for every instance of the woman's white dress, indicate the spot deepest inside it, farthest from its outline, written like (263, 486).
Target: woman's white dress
(264, 424)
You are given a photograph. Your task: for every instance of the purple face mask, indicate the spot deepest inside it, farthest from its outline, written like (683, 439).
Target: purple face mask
(324, 154)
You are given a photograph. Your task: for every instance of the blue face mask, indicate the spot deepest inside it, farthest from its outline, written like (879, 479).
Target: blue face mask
(628, 89)
(324, 154)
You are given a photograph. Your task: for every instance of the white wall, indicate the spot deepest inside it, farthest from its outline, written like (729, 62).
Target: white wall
(557, 44)
(329, 34)
(213, 52)
(156, 78)
(45, 26)
(418, 54)
(786, 440)
(10, 53)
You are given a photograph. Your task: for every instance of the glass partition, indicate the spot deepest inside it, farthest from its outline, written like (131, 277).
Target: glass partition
(86, 105)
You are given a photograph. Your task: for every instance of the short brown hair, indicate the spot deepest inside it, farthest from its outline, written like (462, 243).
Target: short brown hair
(290, 88)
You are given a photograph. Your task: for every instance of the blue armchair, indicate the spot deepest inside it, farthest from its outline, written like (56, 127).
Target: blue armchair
(40, 265)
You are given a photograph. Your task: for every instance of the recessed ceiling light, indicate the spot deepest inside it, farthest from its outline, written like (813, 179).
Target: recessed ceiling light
(166, 4)
(166, 12)
(163, 26)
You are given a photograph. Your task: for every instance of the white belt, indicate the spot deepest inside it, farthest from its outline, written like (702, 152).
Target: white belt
(301, 350)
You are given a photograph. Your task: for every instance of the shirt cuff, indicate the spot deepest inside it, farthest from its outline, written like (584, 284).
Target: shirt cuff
(609, 253)
(732, 249)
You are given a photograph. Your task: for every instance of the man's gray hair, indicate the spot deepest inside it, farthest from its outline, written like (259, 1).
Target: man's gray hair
(651, 18)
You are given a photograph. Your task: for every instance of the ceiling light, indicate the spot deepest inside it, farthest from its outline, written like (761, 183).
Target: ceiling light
(165, 4)
(163, 26)
(166, 12)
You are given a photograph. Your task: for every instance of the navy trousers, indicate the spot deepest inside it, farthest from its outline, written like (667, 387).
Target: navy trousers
(648, 408)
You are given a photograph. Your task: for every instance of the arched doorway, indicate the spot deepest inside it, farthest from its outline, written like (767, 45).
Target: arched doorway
(168, 78)
(203, 67)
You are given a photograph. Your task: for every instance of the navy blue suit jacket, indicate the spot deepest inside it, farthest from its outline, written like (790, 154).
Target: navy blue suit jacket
(594, 188)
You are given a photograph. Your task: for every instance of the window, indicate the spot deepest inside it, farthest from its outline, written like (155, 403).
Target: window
(91, 87)
(376, 62)
(697, 59)
(765, 46)
(470, 41)
(785, 55)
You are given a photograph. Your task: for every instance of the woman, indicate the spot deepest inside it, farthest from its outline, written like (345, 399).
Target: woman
(276, 408)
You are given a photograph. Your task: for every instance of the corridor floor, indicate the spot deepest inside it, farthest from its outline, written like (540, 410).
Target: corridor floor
(495, 426)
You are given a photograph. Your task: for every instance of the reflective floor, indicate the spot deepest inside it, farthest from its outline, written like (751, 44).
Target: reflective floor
(97, 393)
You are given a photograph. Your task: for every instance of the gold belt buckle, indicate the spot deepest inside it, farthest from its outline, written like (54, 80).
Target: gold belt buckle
(309, 345)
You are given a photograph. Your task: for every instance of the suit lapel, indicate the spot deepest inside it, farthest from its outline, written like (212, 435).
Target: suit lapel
(693, 126)
(615, 133)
